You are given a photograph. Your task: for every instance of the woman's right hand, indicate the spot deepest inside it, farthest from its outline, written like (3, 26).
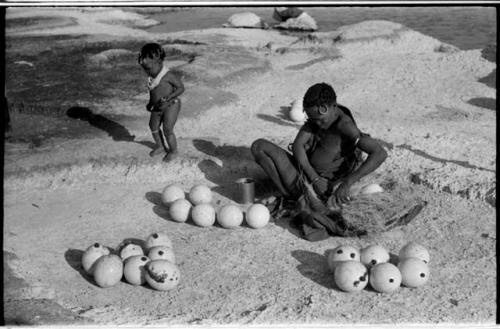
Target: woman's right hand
(320, 185)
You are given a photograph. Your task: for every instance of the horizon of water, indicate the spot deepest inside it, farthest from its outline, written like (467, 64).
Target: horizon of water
(469, 27)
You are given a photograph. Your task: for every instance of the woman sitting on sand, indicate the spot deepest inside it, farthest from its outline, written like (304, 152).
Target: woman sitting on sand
(326, 152)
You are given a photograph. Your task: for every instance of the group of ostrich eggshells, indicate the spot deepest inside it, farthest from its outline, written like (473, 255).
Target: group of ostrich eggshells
(353, 269)
(199, 208)
(153, 263)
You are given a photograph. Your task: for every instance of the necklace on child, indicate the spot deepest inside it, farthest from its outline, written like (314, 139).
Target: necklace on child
(154, 82)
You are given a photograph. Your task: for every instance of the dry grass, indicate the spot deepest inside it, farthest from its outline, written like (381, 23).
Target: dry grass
(365, 214)
(379, 212)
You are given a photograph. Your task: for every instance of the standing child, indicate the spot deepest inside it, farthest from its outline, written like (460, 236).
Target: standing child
(164, 104)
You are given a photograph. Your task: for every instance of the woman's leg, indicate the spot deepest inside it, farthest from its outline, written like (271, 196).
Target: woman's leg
(278, 165)
(169, 119)
(154, 125)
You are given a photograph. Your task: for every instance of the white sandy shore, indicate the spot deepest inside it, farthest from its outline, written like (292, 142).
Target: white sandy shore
(406, 89)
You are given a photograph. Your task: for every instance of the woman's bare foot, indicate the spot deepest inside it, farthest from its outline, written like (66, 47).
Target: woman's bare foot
(278, 206)
(268, 200)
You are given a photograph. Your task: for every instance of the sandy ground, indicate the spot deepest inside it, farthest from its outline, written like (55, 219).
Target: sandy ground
(80, 181)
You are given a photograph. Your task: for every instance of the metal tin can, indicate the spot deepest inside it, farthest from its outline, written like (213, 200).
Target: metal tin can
(246, 190)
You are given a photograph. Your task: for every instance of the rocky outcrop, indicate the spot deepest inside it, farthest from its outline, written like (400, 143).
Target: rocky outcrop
(282, 14)
(106, 57)
(303, 22)
(246, 20)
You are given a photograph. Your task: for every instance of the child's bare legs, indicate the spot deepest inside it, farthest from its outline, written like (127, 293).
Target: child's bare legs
(154, 125)
(159, 149)
(170, 118)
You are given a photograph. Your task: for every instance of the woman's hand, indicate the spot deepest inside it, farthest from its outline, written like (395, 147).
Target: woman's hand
(320, 185)
(342, 193)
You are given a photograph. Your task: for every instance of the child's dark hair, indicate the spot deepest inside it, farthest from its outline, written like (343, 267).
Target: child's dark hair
(318, 95)
(152, 50)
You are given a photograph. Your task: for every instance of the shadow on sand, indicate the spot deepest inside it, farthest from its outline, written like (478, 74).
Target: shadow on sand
(281, 118)
(158, 208)
(290, 224)
(484, 102)
(224, 176)
(74, 259)
(115, 130)
(314, 267)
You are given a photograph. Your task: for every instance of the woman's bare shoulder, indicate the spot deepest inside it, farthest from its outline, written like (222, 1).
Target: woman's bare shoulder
(346, 126)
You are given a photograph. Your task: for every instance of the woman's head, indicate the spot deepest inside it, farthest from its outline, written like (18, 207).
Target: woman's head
(319, 103)
(320, 94)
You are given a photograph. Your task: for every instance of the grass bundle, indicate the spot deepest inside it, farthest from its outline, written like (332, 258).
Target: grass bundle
(397, 205)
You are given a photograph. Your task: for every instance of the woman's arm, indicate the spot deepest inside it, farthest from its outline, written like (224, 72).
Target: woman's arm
(376, 156)
(299, 152)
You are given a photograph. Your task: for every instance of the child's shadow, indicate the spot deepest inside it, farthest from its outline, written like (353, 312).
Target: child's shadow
(314, 267)
(282, 118)
(115, 130)
(222, 175)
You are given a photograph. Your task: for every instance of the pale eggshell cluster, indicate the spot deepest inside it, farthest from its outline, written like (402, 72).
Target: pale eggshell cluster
(92, 254)
(170, 194)
(199, 209)
(354, 268)
(158, 268)
(162, 274)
